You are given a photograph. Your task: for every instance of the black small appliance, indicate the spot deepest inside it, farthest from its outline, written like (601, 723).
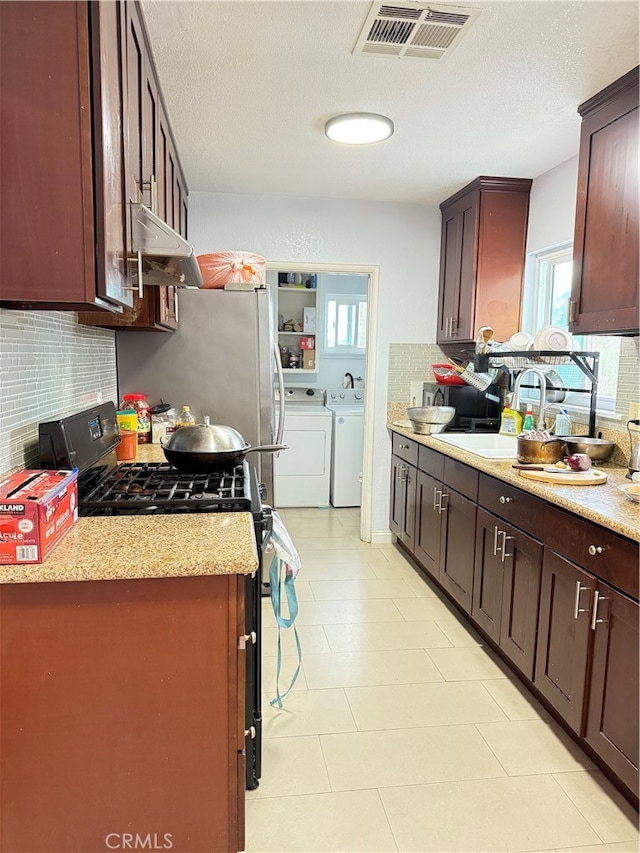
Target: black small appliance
(476, 411)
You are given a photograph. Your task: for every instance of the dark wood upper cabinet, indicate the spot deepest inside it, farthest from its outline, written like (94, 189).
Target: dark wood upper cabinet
(604, 294)
(62, 210)
(482, 253)
(153, 176)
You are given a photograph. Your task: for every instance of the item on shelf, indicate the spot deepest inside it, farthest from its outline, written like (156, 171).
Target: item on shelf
(285, 356)
(295, 360)
(484, 340)
(288, 325)
(553, 338)
(309, 359)
(311, 281)
(220, 268)
(309, 320)
(308, 343)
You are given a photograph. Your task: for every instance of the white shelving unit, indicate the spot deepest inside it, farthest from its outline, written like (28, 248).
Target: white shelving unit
(289, 304)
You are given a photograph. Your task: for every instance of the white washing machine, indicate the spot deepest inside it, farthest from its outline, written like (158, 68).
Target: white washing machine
(347, 408)
(302, 474)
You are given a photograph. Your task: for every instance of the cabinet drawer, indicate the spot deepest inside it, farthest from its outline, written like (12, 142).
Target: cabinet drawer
(461, 477)
(615, 559)
(405, 448)
(514, 505)
(431, 462)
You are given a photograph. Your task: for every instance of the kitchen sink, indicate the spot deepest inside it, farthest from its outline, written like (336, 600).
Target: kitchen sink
(488, 445)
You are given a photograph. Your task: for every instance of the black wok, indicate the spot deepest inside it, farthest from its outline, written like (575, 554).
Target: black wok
(203, 449)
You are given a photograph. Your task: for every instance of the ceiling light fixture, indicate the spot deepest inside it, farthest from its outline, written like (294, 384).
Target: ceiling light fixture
(358, 128)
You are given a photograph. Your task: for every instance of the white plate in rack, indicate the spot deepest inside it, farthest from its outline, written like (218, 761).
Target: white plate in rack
(553, 338)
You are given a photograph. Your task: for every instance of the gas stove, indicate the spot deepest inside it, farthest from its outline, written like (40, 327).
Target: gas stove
(87, 441)
(156, 488)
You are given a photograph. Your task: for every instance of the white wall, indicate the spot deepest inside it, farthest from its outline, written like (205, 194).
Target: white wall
(552, 207)
(403, 240)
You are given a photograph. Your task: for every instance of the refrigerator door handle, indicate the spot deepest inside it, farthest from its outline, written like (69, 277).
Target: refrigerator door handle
(276, 352)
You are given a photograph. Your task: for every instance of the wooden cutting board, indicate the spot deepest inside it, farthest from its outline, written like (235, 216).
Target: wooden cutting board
(584, 478)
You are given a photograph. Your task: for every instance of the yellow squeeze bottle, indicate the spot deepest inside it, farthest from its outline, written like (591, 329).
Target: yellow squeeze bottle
(510, 420)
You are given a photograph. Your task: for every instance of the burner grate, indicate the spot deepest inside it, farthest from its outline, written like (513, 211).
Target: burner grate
(156, 487)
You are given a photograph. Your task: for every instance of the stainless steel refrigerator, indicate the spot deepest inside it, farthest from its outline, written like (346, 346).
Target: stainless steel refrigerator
(221, 361)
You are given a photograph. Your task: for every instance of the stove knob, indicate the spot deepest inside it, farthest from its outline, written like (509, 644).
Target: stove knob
(342, 396)
(358, 395)
(310, 392)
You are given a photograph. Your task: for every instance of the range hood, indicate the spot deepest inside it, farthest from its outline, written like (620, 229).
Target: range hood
(162, 255)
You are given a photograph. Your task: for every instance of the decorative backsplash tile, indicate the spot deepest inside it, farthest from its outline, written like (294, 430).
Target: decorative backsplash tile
(50, 366)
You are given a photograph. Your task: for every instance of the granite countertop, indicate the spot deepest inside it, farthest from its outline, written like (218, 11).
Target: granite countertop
(604, 504)
(160, 546)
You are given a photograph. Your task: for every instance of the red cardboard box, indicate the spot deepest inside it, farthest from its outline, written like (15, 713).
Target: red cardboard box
(307, 343)
(37, 508)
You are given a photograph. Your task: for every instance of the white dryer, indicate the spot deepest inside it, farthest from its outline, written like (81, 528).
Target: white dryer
(302, 473)
(347, 408)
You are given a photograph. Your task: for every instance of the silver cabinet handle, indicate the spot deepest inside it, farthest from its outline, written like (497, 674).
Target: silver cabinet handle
(504, 545)
(594, 615)
(576, 606)
(595, 549)
(436, 502)
(404, 471)
(250, 732)
(443, 507)
(454, 326)
(505, 500)
(495, 541)
(403, 446)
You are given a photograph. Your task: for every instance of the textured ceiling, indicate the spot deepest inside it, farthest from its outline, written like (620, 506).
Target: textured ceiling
(249, 86)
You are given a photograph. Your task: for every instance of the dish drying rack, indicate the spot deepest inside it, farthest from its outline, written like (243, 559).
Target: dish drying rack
(573, 366)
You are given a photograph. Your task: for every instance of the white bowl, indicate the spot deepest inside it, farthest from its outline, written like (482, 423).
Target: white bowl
(632, 491)
(553, 338)
(521, 341)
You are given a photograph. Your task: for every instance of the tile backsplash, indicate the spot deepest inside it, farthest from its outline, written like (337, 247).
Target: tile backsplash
(50, 366)
(412, 362)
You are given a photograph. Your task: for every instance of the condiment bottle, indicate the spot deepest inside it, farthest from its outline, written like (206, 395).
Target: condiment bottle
(137, 403)
(185, 418)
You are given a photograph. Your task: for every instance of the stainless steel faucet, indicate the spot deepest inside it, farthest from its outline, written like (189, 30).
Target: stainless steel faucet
(543, 392)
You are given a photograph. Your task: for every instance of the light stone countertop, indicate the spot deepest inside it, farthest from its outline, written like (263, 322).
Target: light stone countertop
(604, 504)
(159, 546)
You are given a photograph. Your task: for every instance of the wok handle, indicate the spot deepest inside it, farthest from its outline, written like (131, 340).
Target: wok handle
(267, 448)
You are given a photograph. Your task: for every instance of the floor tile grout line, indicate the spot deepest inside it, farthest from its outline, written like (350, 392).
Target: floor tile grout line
(576, 807)
(387, 818)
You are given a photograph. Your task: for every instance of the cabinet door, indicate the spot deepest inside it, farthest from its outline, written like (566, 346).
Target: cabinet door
(61, 205)
(410, 488)
(449, 289)
(612, 716)
(464, 311)
(396, 500)
(563, 636)
(488, 573)
(428, 530)
(456, 569)
(520, 598)
(604, 294)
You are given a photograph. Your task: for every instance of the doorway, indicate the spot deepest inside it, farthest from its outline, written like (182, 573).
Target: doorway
(372, 275)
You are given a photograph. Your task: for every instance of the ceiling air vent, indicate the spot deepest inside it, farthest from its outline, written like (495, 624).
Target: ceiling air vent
(414, 30)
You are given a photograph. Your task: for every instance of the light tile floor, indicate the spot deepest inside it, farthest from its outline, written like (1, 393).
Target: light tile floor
(403, 732)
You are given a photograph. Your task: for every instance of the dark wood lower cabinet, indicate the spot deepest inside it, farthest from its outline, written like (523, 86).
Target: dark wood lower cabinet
(458, 547)
(403, 501)
(612, 718)
(488, 575)
(428, 529)
(537, 591)
(563, 636)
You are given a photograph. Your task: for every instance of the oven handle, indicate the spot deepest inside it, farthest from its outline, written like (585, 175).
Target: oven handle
(267, 526)
(276, 353)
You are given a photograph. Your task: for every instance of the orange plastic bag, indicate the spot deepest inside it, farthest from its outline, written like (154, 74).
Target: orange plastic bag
(220, 268)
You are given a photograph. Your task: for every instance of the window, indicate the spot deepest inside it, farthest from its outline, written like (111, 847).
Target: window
(550, 307)
(345, 329)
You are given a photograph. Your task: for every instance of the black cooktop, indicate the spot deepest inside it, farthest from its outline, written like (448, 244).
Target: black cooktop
(138, 488)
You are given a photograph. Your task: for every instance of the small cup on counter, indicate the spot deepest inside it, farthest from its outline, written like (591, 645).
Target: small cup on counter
(127, 450)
